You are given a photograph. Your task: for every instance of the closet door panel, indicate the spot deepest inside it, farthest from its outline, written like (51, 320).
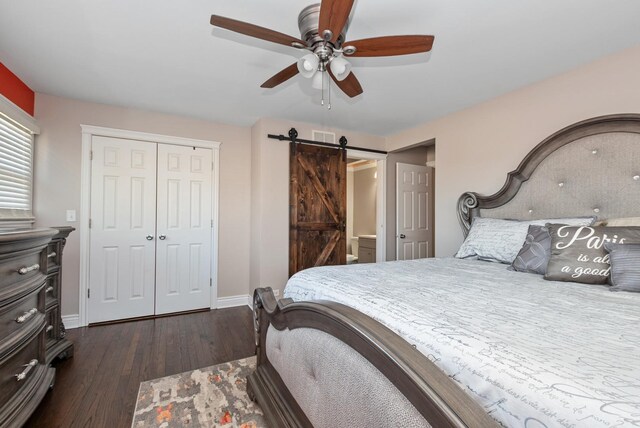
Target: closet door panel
(123, 215)
(184, 229)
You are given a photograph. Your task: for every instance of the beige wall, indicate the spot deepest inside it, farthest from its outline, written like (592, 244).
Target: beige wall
(270, 202)
(413, 156)
(365, 187)
(57, 179)
(477, 147)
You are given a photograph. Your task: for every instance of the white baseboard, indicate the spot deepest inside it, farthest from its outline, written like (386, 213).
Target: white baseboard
(71, 321)
(234, 301)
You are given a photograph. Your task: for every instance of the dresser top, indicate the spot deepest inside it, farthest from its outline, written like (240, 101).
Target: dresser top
(26, 234)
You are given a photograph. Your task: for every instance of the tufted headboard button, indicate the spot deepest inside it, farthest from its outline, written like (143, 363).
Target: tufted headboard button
(636, 177)
(596, 210)
(594, 152)
(561, 184)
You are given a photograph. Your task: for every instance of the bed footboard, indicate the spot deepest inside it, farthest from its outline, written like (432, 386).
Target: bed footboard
(324, 364)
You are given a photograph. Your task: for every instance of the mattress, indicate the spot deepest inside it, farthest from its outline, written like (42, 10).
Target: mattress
(534, 353)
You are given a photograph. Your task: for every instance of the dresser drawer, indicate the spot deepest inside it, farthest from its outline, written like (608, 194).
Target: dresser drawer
(21, 267)
(52, 289)
(54, 255)
(17, 315)
(24, 363)
(52, 329)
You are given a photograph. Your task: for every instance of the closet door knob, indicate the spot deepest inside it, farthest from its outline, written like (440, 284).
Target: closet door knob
(162, 237)
(402, 236)
(149, 237)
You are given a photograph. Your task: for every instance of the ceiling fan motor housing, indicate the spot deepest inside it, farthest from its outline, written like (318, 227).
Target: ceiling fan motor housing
(308, 25)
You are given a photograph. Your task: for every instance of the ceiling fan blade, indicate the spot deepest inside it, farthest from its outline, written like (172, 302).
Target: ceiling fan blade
(282, 76)
(390, 46)
(256, 31)
(349, 85)
(333, 17)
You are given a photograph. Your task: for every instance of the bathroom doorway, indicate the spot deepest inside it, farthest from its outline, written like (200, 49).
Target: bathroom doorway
(362, 203)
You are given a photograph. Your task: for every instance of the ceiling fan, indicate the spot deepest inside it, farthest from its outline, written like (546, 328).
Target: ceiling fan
(323, 29)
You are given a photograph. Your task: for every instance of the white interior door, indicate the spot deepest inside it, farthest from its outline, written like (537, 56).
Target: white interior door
(414, 218)
(184, 228)
(123, 220)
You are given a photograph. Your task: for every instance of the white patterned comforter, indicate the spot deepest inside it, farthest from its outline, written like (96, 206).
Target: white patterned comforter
(534, 353)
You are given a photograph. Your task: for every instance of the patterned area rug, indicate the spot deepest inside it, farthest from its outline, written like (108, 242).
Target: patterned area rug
(215, 396)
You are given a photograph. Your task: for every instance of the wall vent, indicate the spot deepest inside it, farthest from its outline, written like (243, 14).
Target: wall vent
(323, 137)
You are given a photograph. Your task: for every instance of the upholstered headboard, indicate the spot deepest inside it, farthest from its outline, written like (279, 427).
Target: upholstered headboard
(589, 168)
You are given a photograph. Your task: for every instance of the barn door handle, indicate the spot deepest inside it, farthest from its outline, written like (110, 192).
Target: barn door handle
(402, 236)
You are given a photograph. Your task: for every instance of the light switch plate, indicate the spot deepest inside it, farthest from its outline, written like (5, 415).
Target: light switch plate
(71, 215)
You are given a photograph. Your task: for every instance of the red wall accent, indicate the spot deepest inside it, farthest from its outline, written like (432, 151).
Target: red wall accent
(16, 90)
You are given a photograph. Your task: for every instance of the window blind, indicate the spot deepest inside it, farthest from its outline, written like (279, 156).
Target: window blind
(16, 170)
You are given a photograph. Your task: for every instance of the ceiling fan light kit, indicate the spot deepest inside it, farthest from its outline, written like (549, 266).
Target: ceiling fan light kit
(323, 29)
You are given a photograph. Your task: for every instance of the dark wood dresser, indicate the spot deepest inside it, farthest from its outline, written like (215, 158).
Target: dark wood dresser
(57, 344)
(31, 331)
(25, 375)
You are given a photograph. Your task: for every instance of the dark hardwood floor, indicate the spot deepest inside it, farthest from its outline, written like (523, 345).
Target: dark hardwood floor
(99, 385)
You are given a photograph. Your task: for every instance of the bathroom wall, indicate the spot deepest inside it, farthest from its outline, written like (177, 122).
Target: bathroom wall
(349, 209)
(364, 202)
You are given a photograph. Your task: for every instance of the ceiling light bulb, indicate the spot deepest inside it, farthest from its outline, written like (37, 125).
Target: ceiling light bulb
(308, 64)
(340, 68)
(316, 83)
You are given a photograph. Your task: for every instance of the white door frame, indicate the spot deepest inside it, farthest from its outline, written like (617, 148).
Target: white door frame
(89, 131)
(381, 199)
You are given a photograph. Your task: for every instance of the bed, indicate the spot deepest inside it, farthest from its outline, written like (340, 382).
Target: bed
(459, 342)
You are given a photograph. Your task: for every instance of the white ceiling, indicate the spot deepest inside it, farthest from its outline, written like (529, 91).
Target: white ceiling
(163, 55)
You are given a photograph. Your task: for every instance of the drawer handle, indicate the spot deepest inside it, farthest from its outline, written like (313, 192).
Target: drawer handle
(49, 328)
(22, 318)
(51, 254)
(49, 289)
(25, 372)
(26, 269)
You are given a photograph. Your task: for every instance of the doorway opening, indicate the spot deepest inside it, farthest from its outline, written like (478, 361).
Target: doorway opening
(365, 231)
(411, 192)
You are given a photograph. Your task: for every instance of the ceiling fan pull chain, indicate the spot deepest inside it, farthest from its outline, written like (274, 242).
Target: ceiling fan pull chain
(322, 90)
(329, 94)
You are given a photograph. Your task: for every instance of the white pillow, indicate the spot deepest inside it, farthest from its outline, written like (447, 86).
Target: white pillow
(499, 240)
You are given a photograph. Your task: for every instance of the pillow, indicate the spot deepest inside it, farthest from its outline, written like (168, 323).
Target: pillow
(578, 254)
(500, 240)
(625, 266)
(535, 252)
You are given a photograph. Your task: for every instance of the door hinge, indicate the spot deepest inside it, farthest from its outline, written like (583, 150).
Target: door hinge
(89, 223)
(212, 166)
(210, 282)
(91, 155)
(88, 293)
(211, 222)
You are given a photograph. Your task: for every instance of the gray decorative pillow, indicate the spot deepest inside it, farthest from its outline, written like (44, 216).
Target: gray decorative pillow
(535, 252)
(500, 240)
(578, 253)
(625, 266)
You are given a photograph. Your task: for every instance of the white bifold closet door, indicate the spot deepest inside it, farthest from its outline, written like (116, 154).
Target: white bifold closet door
(150, 229)
(183, 261)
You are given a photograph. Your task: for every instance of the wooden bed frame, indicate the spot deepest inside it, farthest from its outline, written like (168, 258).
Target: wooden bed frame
(438, 399)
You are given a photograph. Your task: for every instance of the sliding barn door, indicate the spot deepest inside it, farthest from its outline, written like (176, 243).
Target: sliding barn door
(123, 228)
(317, 203)
(183, 267)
